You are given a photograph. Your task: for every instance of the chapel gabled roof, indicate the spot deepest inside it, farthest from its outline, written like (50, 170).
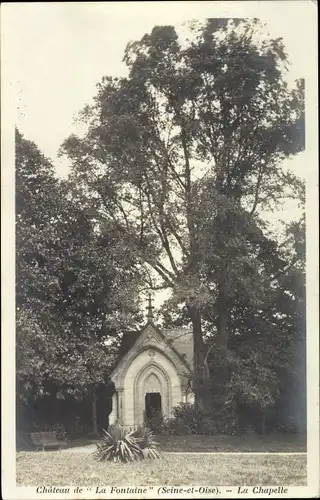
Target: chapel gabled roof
(180, 340)
(128, 341)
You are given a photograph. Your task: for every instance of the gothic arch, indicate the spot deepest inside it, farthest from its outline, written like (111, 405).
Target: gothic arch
(120, 375)
(152, 383)
(152, 368)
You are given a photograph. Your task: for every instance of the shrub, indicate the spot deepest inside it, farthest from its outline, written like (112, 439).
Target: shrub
(60, 431)
(286, 427)
(147, 443)
(155, 422)
(58, 428)
(249, 429)
(173, 427)
(207, 426)
(226, 420)
(188, 412)
(188, 419)
(77, 428)
(123, 445)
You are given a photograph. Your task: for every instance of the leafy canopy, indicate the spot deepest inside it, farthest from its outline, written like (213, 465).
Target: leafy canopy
(74, 288)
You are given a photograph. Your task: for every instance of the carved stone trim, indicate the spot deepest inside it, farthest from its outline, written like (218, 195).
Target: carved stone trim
(166, 393)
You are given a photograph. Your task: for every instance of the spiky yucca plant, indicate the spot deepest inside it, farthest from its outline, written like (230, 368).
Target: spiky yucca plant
(122, 445)
(118, 445)
(147, 443)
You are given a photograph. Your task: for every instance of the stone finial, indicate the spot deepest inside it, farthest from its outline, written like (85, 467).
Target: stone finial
(150, 308)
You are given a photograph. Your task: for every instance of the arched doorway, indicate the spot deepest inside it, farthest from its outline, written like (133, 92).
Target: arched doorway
(152, 404)
(152, 393)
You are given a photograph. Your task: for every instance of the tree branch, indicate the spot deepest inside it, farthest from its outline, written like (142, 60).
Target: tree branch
(256, 195)
(178, 238)
(159, 269)
(161, 231)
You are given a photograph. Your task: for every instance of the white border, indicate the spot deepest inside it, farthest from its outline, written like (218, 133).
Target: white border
(306, 13)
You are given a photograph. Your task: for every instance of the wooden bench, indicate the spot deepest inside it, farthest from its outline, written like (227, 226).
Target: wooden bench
(46, 440)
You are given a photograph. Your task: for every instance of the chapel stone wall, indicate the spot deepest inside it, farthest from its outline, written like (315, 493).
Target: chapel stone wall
(146, 363)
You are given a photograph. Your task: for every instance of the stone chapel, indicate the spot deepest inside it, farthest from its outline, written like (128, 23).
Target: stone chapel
(153, 373)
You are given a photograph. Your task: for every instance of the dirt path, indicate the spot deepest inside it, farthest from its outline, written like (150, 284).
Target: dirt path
(80, 449)
(90, 448)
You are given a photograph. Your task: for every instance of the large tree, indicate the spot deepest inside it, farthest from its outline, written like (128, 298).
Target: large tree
(74, 287)
(265, 360)
(195, 134)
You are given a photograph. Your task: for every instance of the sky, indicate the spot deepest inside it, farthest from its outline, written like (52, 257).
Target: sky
(60, 51)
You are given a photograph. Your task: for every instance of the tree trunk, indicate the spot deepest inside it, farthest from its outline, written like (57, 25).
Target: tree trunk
(223, 319)
(263, 422)
(201, 385)
(222, 351)
(94, 413)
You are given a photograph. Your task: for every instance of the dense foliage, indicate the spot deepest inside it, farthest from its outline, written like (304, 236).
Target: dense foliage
(187, 149)
(166, 192)
(74, 289)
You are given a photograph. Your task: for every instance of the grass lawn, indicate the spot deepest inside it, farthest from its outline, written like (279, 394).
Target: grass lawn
(58, 468)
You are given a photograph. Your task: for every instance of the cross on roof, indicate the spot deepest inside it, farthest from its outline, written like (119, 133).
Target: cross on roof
(150, 308)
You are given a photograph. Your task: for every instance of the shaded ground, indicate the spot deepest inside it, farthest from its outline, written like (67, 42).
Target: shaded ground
(82, 442)
(57, 468)
(246, 443)
(276, 443)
